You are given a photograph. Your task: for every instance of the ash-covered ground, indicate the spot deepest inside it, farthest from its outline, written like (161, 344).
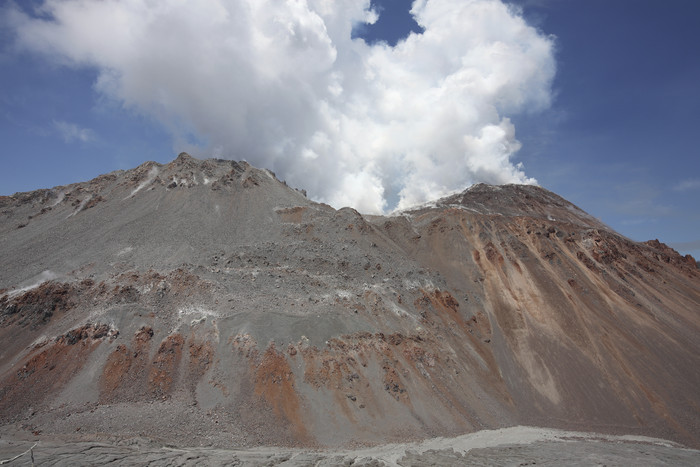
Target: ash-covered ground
(503, 447)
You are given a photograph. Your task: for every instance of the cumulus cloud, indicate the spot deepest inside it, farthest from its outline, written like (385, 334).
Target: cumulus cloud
(71, 132)
(283, 85)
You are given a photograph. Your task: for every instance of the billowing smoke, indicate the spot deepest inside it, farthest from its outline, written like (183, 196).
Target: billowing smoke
(282, 84)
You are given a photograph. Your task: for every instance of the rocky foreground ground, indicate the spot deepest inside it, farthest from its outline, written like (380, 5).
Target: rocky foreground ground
(516, 446)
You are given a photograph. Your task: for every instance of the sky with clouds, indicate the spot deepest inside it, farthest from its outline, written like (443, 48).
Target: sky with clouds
(378, 105)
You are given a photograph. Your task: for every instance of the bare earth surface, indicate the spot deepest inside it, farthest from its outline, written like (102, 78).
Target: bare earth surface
(206, 303)
(507, 447)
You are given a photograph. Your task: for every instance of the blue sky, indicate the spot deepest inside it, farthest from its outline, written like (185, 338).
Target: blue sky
(621, 138)
(616, 133)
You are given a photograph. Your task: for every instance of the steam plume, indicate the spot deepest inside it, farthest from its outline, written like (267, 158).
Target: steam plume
(283, 85)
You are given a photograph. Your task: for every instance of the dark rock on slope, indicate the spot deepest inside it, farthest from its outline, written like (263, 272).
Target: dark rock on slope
(206, 302)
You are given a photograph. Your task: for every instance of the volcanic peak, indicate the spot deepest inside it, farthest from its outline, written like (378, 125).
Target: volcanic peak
(199, 289)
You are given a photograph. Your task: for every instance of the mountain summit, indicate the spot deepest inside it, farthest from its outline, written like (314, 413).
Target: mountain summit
(208, 302)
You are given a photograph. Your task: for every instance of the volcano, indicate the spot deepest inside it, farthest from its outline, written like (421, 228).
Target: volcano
(207, 302)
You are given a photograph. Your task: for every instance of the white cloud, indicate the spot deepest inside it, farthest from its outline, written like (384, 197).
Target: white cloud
(687, 185)
(283, 85)
(71, 132)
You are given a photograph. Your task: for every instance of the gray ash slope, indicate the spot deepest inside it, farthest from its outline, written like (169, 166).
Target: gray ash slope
(208, 302)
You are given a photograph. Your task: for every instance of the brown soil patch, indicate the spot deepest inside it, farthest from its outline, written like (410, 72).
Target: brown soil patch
(492, 254)
(44, 373)
(274, 383)
(201, 358)
(124, 372)
(115, 371)
(165, 365)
